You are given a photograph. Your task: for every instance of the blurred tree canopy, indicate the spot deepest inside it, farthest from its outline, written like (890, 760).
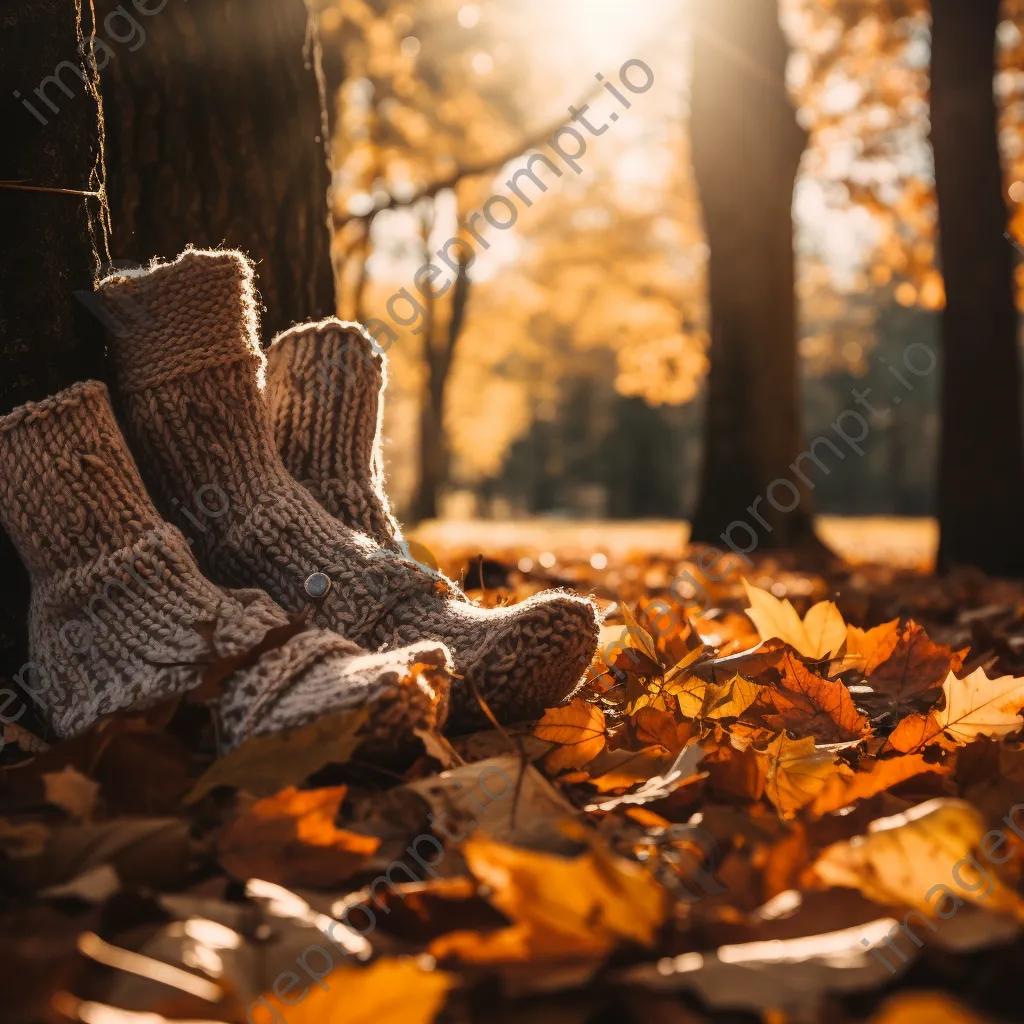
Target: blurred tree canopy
(600, 287)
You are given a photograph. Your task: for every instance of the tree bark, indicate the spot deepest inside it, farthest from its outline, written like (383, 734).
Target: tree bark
(52, 241)
(747, 148)
(981, 460)
(438, 356)
(216, 135)
(48, 339)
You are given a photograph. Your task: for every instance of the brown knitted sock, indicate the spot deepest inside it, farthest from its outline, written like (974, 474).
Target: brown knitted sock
(325, 382)
(190, 377)
(121, 616)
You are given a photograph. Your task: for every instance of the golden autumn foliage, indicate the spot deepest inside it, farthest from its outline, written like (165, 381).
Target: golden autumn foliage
(719, 785)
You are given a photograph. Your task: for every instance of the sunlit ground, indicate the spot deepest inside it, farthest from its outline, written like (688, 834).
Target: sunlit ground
(910, 543)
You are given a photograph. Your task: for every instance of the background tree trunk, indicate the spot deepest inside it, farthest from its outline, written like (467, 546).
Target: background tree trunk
(440, 341)
(216, 135)
(48, 339)
(747, 148)
(981, 461)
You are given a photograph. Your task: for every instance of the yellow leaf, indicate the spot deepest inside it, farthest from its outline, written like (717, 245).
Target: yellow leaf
(579, 731)
(796, 772)
(975, 706)
(392, 991)
(820, 635)
(715, 701)
(979, 706)
(561, 907)
(909, 860)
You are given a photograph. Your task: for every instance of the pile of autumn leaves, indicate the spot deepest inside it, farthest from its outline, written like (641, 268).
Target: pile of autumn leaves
(821, 713)
(781, 738)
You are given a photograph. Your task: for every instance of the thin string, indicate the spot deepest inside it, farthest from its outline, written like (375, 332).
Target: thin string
(58, 191)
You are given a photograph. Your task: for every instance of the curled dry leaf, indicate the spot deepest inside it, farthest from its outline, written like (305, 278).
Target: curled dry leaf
(579, 732)
(291, 839)
(819, 635)
(917, 859)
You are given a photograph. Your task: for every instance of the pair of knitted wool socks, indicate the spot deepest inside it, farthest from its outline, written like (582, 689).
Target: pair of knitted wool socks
(190, 372)
(121, 615)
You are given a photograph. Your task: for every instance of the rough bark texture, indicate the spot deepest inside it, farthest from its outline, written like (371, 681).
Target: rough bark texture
(215, 136)
(747, 148)
(981, 462)
(48, 339)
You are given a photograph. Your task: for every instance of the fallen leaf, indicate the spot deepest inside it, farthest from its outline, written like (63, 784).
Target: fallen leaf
(263, 765)
(503, 798)
(843, 790)
(291, 839)
(705, 701)
(579, 732)
(912, 733)
(796, 772)
(654, 726)
(915, 668)
(910, 860)
(150, 852)
(561, 907)
(979, 706)
(73, 791)
(810, 705)
(915, 1007)
(866, 649)
(391, 991)
(656, 787)
(975, 706)
(820, 634)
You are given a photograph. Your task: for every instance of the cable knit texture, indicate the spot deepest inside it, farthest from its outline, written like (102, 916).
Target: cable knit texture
(119, 607)
(324, 386)
(190, 376)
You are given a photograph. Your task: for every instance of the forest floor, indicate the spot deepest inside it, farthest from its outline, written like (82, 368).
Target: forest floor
(799, 805)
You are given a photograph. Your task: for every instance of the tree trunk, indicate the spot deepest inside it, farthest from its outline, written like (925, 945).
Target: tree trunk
(747, 148)
(981, 461)
(438, 356)
(216, 136)
(48, 339)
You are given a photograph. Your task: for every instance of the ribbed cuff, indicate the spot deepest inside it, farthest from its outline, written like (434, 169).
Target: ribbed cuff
(70, 491)
(323, 388)
(178, 318)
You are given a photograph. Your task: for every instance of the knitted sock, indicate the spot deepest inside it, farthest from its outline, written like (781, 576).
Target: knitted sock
(121, 616)
(325, 382)
(190, 375)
